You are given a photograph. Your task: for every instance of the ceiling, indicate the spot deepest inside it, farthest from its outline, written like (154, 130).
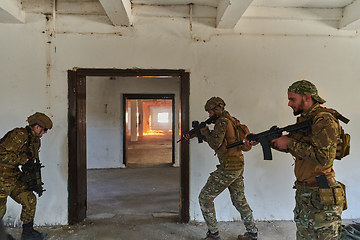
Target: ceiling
(225, 13)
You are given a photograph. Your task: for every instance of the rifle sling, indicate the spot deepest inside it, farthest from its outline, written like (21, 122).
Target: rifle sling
(6, 165)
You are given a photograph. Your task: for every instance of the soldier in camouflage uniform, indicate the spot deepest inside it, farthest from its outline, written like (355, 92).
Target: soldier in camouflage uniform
(318, 210)
(15, 150)
(229, 173)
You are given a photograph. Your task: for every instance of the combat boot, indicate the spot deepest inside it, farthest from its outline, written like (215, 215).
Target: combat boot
(212, 236)
(248, 236)
(9, 237)
(29, 233)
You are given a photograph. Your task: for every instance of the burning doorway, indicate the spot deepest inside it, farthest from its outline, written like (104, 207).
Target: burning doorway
(149, 121)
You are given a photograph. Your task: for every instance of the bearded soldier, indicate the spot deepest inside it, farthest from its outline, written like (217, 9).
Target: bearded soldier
(17, 147)
(229, 174)
(319, 197)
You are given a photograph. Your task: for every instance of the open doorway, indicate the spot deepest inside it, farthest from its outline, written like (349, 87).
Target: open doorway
(149, 123)
(77, 138)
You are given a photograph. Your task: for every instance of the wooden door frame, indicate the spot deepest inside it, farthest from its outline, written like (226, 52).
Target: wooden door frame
(150, 96)
(77, 185)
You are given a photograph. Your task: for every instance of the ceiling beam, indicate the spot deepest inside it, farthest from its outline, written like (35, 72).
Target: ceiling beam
(11, 12)
(119, 11)
(293, 13)
(351, 17)
(229, 12)
(173, 11)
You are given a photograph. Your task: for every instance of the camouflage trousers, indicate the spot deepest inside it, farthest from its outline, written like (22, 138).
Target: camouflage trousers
(218, 181)
(313, 219)
(12, 186)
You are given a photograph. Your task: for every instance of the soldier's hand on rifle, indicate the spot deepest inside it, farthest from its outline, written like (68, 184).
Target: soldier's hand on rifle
(202, 130)
(28, 166)
(188, 136)
(281, 142)
(250, 143)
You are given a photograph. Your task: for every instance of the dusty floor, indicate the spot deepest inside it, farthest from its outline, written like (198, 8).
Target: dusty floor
(149, 151)
(148, 227)
(142, 202)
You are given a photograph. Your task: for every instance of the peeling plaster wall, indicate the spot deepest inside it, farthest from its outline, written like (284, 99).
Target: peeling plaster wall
(250, 67)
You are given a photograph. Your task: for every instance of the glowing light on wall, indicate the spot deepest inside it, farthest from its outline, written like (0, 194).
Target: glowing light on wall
(151, 132)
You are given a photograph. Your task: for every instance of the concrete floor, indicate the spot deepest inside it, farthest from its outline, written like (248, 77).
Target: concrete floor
(149, 151)
(142, 202)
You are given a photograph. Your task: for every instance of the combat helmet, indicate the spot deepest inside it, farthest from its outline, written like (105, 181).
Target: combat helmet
(41, 119)
(216, 104)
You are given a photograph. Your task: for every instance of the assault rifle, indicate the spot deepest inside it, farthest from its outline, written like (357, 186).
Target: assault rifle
(32, 176)
(196, 128)
(32, 171)
(275, 132)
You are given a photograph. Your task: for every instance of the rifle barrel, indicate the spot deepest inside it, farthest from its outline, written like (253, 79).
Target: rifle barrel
(235, 144)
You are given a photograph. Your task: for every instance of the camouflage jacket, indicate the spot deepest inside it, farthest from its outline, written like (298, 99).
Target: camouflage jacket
(316, 152)
(14, 146)
(222, 134)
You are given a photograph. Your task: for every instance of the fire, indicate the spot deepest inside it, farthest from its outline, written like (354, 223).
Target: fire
(151, 132)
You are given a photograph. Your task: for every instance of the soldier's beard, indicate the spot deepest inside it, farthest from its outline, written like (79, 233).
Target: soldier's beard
(300, 108)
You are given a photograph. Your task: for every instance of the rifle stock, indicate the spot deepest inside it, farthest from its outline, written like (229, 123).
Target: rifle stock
(274, 132)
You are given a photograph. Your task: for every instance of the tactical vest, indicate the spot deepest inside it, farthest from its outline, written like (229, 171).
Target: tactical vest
(343, 147)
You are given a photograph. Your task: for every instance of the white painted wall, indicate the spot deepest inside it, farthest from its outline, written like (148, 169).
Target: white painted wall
(167, 116)
(250, 67)
(105, 129)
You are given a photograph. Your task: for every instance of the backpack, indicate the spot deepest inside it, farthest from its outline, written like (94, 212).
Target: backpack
(240, 131)
(343, 147)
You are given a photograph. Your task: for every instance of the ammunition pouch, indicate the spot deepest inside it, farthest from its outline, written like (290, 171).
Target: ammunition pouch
(233, 163)
(333, 195)
(327, 196)
(344, 191)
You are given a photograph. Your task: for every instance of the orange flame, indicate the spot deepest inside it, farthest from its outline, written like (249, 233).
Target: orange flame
(151, 132)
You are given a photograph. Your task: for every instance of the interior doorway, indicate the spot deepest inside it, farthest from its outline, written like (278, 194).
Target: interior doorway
(150, 124)
(77, 135)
